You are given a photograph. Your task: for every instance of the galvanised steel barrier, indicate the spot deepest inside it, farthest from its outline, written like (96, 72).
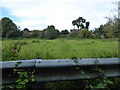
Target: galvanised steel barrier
(60, 69)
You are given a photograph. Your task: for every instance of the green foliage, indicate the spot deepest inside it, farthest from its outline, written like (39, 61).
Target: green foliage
(18, 63)
(51, 32)
(41, 34)
(96, 61)
(13, 33)
(108, 30)
(60, 48)
(99, 83)
(74, 57)
(22, 42)
(103, 82)
(35, 33)
(48, 55)
(64, 32)
(9, 29)
(26, 33)
(31, 34)
(80, 23)
(25, 77)
(65, 85)
(91, 84)
(34, 41)
(73, 35)
(84, 33)
(11, 52)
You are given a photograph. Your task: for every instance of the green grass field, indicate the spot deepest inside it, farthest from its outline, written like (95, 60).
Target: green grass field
(64, 48)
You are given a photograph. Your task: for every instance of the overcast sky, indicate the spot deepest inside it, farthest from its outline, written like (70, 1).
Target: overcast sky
(38, 14)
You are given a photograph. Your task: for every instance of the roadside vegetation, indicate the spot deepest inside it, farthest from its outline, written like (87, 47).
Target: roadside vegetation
(50, 43)
(59, 48)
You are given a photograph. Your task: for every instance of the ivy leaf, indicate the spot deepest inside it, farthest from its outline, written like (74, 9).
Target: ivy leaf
(26, 80)
(82, 72)
(32, 76)
(22, 83)
(32, 80)
(101, 86)
(18, 80)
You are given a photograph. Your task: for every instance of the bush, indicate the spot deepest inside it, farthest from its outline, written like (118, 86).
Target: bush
(84, 33)
(51, 32)
(11, 52)
(34, 41)
(22, 42)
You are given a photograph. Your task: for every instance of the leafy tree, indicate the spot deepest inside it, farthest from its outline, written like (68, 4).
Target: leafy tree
(73, 34)
(26, 30)
(57, 32)
(13, 33)
(80, 23)
(41, 34)
(26, 33)
(111, 28)
(51, 32)
(9, 29)
(87, 24)
(35, 33)
(84, 33)
(64, 32)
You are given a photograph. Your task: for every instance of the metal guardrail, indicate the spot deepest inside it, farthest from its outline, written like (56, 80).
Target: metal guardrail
(61, 69)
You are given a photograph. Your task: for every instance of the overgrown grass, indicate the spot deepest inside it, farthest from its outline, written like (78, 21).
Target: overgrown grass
(63, 48)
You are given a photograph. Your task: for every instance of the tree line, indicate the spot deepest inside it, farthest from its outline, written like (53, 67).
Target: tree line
(108, 30)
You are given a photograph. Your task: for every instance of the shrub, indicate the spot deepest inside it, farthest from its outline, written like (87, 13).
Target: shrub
(11, 52)
(51, 32)
(84, 33)
(34, 41)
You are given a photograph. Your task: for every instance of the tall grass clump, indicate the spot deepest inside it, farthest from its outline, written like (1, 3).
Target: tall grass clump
(11, 52)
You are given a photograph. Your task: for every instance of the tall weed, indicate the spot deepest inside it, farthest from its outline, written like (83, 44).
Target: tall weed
(11, 52)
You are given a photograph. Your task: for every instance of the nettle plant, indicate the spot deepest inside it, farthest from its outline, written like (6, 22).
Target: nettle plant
(25, 76)
(102, 81)
(11, 52)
